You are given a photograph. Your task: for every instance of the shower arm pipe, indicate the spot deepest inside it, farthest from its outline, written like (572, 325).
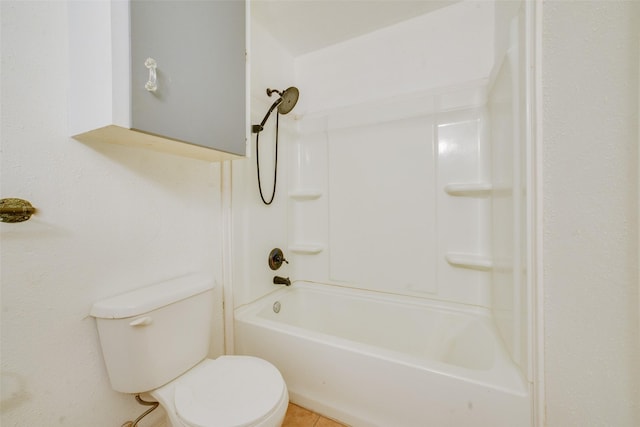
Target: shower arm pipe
(260, 127)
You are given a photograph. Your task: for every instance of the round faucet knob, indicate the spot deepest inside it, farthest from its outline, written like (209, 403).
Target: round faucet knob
(276, 258)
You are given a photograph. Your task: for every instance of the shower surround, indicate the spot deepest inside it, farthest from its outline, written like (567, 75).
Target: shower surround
(400, 169)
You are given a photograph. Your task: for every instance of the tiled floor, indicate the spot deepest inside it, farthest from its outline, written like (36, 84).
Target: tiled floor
(300, 417)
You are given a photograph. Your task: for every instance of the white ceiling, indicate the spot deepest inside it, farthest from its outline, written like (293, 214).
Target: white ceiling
(303, 26)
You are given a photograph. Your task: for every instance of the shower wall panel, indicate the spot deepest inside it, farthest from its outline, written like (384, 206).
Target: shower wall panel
(373, 199)
(382, 210)
(507, 105)
(308, 225)
(464, 206)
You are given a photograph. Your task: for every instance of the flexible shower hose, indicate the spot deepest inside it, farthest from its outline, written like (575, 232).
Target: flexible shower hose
(275, 167)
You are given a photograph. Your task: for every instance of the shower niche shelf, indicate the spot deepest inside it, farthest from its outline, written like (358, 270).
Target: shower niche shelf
(306, 248)
(305, 195)
(469, 260)
(477, 189)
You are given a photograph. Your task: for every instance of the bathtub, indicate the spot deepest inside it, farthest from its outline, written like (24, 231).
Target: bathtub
(370, 359)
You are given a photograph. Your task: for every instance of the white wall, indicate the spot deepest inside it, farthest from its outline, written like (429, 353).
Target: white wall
(590, 167)
(436, 50)
(110, 219)
(258, 228)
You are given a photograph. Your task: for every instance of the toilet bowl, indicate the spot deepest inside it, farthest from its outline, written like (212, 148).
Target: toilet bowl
(155, 341)
(230, 391)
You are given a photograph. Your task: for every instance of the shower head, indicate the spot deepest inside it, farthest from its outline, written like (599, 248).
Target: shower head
(289, 99)
(285, 103)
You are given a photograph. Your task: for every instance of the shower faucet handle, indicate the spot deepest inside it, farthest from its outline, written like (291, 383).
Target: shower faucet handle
(276, 258)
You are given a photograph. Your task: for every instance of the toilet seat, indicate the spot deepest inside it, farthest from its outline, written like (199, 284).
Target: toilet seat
(231, 391)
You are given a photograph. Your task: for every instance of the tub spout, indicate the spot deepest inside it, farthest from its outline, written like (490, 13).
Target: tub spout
(277, 280)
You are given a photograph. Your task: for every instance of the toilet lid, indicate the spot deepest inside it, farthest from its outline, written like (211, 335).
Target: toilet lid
(232, 391)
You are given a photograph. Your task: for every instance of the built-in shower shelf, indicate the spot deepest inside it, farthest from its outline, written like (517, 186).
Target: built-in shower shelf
(468, 260)
(307, 194)
(306, 249)
(475, 189)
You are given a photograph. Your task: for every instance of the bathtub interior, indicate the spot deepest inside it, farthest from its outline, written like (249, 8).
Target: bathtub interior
(401, 172)
(469, 348)
(425, 330)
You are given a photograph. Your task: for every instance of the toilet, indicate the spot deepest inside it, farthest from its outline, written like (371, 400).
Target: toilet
(155, 341)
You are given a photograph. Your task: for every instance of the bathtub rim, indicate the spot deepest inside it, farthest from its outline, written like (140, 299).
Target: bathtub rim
(414, 300)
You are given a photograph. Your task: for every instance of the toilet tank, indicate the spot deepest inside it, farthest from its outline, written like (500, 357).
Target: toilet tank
(152, 335)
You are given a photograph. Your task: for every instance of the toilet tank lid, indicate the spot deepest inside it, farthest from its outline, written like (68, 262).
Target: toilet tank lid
(148, 298)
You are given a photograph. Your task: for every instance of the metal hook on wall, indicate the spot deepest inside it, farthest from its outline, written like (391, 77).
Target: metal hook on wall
(15, 210)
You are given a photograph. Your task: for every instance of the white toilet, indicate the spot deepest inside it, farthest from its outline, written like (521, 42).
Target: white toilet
(155, 340)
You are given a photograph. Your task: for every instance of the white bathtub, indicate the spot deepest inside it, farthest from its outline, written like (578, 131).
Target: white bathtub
(371, 359)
